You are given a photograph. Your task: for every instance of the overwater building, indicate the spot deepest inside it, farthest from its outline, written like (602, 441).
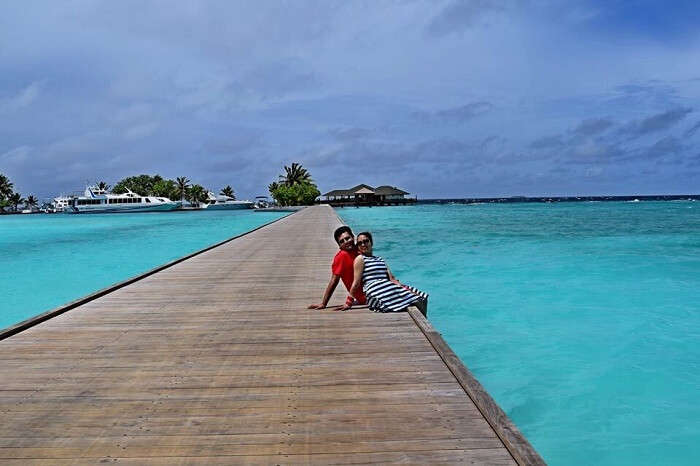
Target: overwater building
(365, 195)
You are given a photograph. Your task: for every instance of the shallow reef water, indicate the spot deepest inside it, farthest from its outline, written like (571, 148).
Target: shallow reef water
(581, 319)
(49, 260)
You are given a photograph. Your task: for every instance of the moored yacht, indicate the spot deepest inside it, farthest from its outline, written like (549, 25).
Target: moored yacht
(96, 200)
(222, 202)
(61, 203)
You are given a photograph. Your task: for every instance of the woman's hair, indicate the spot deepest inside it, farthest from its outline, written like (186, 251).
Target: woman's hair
(340, 230)
(367, 234)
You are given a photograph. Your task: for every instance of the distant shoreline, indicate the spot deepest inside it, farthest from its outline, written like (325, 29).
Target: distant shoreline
(548, 199)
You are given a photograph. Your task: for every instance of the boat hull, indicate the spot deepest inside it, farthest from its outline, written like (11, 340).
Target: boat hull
(118, 209)
(230, 206)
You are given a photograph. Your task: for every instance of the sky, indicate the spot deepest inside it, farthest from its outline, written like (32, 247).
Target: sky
(442, 98)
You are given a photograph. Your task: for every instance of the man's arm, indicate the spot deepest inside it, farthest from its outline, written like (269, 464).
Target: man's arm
(328, 293)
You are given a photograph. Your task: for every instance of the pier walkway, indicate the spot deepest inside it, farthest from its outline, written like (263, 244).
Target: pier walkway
(216, 360)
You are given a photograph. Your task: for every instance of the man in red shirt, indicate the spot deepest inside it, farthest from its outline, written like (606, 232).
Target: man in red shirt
(342, 269)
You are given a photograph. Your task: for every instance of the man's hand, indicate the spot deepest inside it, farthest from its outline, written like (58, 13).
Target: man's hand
(317, 306)
(344, 307)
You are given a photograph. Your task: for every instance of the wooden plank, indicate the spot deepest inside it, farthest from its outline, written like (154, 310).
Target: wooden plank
(216, 359)
(32, 321)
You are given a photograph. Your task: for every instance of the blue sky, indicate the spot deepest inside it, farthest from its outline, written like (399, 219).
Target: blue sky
(441, 98)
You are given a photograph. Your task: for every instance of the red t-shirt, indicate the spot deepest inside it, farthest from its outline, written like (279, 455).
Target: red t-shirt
(343, 265)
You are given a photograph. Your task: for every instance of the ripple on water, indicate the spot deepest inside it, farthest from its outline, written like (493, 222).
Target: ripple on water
(580, 319)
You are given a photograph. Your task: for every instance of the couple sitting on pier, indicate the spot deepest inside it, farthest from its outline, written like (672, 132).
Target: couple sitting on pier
(367, 278)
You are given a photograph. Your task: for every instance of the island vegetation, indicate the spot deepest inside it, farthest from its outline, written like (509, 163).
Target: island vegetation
(294, 187)
(11, 200)
(178, 189)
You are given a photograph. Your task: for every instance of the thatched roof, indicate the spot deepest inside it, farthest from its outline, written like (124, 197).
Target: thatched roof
(385, 190)
(339, 192)
(389, 190)
(359, 187)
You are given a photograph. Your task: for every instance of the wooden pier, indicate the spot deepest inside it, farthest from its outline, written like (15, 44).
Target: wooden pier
(216, 360)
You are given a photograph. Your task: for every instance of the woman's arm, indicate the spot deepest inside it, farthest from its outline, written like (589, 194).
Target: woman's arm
(392, 278)
(358, 269)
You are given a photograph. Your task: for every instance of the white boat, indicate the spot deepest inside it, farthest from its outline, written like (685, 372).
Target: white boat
(262, 202)
(60, 203)
(97, 200)
(222, 202)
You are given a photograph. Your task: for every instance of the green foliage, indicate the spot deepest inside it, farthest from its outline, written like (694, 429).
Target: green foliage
(147, 185)
(196, 194)
(31, 202)
(5, 187)
(296, 187)
(228, 192)
(165, 188)
(15, 200)
(296, 194)
(296, 174)
(182, 184)
(4, 203)
(141, 184)
(103, 186)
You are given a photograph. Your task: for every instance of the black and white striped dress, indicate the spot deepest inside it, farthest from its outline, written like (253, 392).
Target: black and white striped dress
(382, 294)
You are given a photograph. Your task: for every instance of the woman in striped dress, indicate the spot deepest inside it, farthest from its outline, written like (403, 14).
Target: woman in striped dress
(383, 291)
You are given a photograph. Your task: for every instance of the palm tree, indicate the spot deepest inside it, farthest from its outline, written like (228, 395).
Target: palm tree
(197, 194)
(15, 200)
(182, 184)
(31, 202)
(228, 192)
(5, 187)
(102, 185)
(296, 174)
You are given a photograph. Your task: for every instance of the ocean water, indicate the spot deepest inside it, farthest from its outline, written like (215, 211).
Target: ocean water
(49, 260)
(582, 320)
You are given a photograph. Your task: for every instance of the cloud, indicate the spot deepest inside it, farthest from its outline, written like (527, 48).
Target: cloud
(22, 99)
(405, 90)
(141, 131)
(350, 134)
(547, 142)
(592, 127)
(465, 112)
(655, 123)
(236, 141)
(667, 146)
(16, 155)
(692, 130)
(459, 15)
(458, 115)
(280, 78)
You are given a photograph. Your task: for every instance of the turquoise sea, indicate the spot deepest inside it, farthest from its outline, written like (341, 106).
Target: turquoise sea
(581, 319)
(49, 260)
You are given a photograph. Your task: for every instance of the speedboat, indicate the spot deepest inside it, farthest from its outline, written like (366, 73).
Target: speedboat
(262, 202)
(96, 200)
(222, 202)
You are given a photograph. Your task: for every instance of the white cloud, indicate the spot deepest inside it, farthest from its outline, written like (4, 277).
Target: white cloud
(24, 98)
(141, 131)
(159, 86)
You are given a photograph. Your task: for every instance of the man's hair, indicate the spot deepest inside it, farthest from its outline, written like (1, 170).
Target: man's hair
(367, 234)
(340, 230)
